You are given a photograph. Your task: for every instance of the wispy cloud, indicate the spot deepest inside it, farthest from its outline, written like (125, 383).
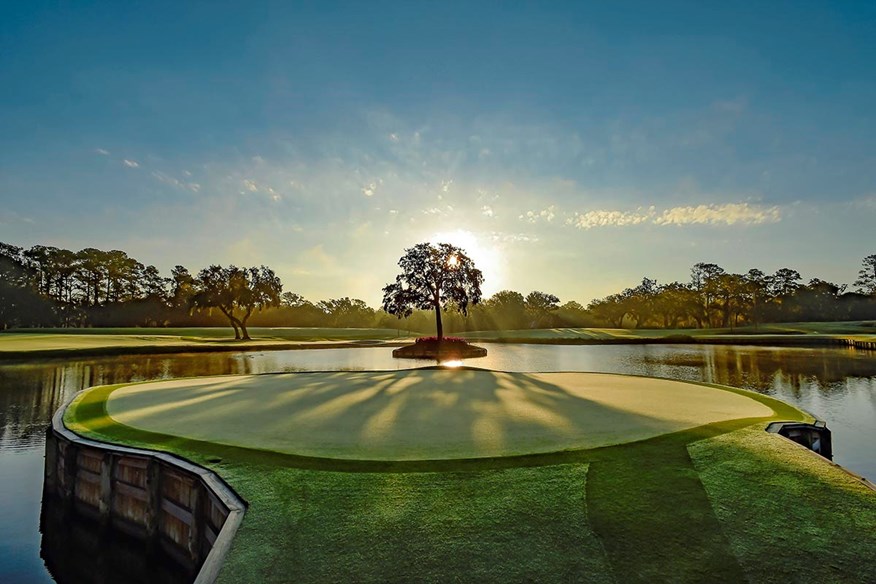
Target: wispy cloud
(592, 219)
(723, 214)
(165, 178)
(727, 214)
(11, 217)
(547, 214)
(131, 163)
(102, 152)
(369, 189)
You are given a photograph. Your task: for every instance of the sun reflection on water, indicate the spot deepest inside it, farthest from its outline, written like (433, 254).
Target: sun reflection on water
(452, 364)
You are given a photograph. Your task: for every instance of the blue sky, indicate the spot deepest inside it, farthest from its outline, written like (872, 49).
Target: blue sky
(571, 147)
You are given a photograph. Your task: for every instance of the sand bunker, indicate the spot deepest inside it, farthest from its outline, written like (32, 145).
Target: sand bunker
(424, 414)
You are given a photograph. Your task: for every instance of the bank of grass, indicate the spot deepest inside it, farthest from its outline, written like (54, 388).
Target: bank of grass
(65, 342)
(777, 334)
(109, 341)
(824, 521)
(723, 502)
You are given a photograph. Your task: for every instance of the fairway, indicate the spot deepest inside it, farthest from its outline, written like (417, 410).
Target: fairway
(428, 414)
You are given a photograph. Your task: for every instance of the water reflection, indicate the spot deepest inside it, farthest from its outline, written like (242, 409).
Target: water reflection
(836, 384)
(77, 551)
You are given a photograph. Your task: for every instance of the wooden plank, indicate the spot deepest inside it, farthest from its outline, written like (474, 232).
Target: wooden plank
(175, 510)
(132, 491)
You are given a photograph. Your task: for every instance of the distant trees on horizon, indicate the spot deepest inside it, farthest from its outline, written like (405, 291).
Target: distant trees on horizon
(52, 287)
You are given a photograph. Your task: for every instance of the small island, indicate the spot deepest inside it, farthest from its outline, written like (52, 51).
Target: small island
(441, 349)
(435, 277)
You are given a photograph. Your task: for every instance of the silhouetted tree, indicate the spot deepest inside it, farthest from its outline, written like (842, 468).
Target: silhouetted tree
(866, 281)
(506, 309)
(540, 305)
(236, 292)
(433, 277)
(350, 312)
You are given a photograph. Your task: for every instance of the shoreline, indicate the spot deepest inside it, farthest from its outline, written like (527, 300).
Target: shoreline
(779, 341)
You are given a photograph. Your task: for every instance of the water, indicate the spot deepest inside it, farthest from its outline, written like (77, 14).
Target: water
(836, 385)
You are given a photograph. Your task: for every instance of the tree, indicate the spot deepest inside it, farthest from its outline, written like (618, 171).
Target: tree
(703, 279)
(349, 312)
(866, 281)
(506, 310)
(434, 276)
(236, 292)
(540, 305)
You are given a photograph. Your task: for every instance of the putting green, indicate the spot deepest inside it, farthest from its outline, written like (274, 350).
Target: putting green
(425, 414)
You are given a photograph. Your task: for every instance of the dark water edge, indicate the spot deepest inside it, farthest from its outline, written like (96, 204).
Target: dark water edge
(77, 549)
(835, 384)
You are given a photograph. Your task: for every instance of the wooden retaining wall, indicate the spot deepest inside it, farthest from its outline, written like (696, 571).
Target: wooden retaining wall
(154, 496)
(868, 345)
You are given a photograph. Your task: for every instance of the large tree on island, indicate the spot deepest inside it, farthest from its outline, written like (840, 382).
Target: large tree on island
(434, 276)
(237, 293)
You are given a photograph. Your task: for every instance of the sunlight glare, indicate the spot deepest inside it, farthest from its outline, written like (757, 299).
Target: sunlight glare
(453, 364)
(487, 257)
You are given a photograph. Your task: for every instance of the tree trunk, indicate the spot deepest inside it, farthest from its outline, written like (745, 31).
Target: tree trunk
(438, 323)
(234, 322)
(243, 325)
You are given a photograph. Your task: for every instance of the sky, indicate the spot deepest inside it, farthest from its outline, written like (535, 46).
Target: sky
(572, 148)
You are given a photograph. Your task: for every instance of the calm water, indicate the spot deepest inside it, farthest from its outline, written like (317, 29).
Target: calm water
(837, 385)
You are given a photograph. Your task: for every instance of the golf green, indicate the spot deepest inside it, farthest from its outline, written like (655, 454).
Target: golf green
(425, 414)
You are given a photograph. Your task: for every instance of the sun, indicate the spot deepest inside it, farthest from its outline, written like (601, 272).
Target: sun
(487, 257)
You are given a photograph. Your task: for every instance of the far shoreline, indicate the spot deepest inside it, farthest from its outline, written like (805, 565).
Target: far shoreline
(221, 345)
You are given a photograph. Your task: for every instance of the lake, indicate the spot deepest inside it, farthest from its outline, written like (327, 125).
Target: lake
(837, 385)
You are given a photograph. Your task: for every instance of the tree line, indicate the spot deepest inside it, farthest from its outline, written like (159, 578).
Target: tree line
(47, 286)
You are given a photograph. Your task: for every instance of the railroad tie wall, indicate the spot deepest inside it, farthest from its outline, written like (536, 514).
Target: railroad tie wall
(156, 497)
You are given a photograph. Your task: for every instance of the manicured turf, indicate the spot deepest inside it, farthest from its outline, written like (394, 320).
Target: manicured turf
(777, 332)
(426, 414)
(719, 503)
(219, 333)
(62, 342)
(825, 521)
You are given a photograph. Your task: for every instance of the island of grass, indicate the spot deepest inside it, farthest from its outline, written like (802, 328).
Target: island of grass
(440, 349)
(473, 475)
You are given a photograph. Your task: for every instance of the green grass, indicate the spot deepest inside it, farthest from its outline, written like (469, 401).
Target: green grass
(62, 342)
(778, 333)
(762, 488)
(721, 502)
(99, 341)
(424, 414)
(204, 333)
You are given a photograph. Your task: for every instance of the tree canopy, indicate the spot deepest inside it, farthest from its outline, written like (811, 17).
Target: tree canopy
(236, 292)
(434, 276)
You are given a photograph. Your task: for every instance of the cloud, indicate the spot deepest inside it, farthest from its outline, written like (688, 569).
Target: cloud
(11, 218)
(369, 189)
(723, 214)
(592, 219)
(543, 215)
(175, 182)
(102, 152)
(866, 202)
(487, 211)
(513, 237)
(131, 163)
(727, 214)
